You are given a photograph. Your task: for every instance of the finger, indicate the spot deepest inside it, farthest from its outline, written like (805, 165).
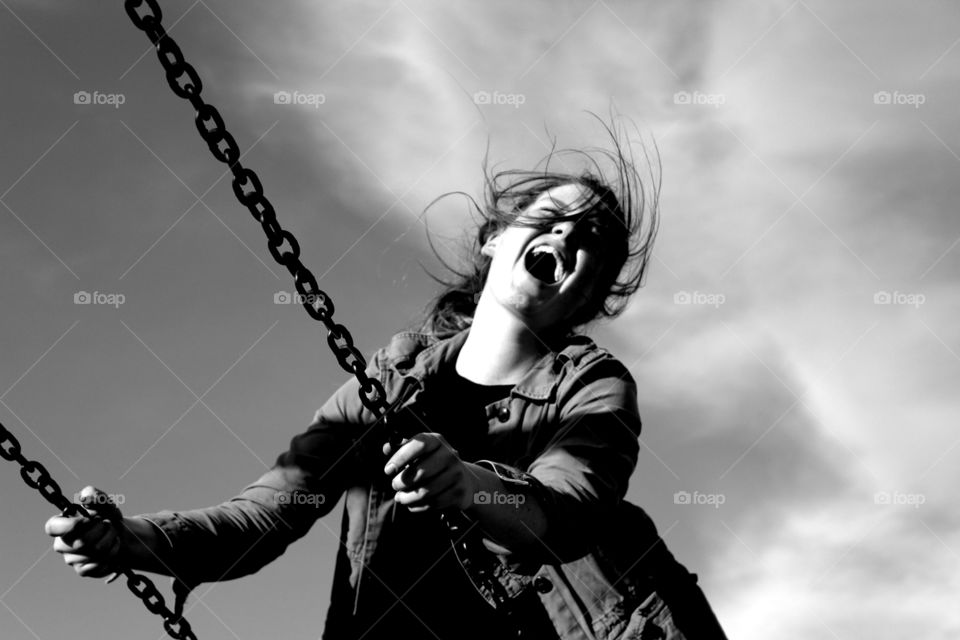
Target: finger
(102, 547)
(86, 493)
(427, 494)
(92, 570)
(61, 546)
(448, 496)
(388, 448)
(422, 501)
(99, 502)
(72, 529)
(410, 498)
(85, 540)
(422, 471)
(410, 451)
(62, 525)
(91, 535)
(107, 543)
(74, 559)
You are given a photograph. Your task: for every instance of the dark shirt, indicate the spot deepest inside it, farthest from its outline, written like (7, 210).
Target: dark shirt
(429, 591)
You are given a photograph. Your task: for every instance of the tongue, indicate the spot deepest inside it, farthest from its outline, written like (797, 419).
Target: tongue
(541, 266)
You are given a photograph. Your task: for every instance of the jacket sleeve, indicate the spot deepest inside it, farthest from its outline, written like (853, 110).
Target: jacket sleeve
(592, 451)
(238, 537)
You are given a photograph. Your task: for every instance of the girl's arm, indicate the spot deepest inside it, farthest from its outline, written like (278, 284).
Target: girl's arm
(237, 537)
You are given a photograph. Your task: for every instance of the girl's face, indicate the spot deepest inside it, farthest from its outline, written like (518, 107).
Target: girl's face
(544, 273)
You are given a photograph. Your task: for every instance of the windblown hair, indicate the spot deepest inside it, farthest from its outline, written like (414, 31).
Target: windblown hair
(618, 199)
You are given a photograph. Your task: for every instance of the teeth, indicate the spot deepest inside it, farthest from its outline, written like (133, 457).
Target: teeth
(558, 270)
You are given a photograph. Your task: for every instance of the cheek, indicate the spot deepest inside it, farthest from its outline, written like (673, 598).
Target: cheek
(592, 276)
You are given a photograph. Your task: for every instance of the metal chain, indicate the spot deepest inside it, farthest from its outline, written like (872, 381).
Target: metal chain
(283, 246)
(36, 476)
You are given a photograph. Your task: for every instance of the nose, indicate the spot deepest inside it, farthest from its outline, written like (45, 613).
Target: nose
(563, 228)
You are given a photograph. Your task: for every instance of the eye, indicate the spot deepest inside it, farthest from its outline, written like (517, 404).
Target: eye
(593, 232)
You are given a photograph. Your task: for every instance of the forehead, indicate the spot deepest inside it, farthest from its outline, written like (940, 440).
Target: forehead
(564, 197)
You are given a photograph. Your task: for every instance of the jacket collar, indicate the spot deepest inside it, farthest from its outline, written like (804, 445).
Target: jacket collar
(417, 355)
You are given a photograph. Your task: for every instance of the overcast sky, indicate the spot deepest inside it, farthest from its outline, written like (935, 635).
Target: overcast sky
(796, 346)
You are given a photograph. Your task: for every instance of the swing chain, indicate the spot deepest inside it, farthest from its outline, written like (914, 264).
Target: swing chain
(249, 192)
(283, 246)
(176, 626)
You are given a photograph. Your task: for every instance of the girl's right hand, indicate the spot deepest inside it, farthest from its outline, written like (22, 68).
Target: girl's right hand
(92, 546)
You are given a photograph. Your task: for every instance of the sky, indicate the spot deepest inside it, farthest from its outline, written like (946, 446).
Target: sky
(793, 346)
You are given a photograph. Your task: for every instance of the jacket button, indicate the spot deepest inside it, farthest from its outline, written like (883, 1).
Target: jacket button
(504, 414)
(542, 584)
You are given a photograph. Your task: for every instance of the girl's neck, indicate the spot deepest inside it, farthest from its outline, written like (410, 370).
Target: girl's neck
(499, 348)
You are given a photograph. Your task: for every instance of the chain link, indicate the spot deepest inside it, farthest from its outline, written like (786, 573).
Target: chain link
(36, 476)
(249, 192)
(283, 246)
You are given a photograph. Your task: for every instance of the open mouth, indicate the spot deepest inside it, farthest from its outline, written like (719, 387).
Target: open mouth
(545, 264)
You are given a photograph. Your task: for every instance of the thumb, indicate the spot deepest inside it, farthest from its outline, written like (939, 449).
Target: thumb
(99, 503)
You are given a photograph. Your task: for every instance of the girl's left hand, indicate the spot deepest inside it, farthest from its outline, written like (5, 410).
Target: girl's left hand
(428, 474)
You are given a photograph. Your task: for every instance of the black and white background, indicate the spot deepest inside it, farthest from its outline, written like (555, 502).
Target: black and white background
(796, 346)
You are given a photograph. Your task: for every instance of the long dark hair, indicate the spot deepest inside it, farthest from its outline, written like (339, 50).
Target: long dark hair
(618, 196)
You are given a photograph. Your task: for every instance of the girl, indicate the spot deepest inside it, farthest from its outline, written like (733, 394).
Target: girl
(514, 418)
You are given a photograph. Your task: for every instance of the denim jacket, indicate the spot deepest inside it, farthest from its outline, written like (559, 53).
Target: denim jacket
(568, 431)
